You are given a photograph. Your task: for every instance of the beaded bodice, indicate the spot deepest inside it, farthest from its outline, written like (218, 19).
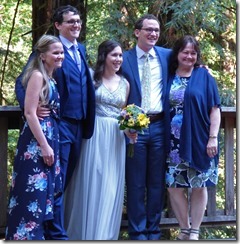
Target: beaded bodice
(109, 103)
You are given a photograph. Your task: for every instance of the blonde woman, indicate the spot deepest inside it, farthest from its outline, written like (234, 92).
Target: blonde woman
(36, 175)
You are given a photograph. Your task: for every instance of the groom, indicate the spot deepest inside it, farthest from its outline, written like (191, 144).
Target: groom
(145, 171)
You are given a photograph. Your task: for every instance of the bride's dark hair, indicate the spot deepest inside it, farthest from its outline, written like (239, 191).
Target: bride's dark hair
(103, 50)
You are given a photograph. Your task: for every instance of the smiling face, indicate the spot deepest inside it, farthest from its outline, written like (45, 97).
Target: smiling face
(53, 58)
(114, 59)
(187, 57)
(70, 27)
(148, 35)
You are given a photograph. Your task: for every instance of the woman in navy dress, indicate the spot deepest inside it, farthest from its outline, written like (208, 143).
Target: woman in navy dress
(36, 177)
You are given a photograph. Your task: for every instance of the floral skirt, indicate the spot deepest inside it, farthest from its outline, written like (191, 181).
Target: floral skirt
(181, 175)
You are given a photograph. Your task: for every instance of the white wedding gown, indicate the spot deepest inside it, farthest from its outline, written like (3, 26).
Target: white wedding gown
(94, 197)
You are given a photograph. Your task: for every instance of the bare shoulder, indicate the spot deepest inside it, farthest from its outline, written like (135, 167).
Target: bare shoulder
(125, 81)
(37, 74)
(36, 79)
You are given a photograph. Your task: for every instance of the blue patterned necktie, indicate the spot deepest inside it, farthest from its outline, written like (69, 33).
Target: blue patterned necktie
(76, 56)
(146, 84)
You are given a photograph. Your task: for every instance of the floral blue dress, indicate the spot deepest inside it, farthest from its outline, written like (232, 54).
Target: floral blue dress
(178, 173)
(34, 184)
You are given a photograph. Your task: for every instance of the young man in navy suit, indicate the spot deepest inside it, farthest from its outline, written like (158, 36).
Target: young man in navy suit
(77, 97)
(145, 171)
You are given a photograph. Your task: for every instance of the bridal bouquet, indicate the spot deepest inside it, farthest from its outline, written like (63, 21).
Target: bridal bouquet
(133, 118)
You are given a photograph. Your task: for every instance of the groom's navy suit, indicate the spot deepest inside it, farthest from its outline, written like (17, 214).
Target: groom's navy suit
(145, 172)
(77, 111)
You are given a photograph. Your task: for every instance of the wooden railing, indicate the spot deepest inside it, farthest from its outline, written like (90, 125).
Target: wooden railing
(10, 118)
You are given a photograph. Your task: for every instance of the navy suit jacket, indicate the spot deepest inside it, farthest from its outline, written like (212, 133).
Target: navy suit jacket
(130, 71)
(64, 75)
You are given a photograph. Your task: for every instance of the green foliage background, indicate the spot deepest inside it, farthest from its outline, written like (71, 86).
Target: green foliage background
(15, 45)
(213, 22)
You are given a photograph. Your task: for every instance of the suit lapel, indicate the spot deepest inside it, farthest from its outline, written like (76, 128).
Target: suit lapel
(82, 56)
(67, 65)
(133, 64)
(163, 61)
(164, 64)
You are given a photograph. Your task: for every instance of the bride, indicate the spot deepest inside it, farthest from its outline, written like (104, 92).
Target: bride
(94, 197)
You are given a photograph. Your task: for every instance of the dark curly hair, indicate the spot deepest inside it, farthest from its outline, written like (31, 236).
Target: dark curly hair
(59, 12)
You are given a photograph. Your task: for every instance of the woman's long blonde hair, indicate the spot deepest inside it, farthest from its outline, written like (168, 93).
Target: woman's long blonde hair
(36, 64)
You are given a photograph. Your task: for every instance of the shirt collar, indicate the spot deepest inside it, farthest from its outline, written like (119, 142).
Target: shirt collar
(66, 42)
(140, 52)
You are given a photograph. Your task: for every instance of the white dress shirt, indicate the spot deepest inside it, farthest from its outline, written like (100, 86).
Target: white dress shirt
(156, 78)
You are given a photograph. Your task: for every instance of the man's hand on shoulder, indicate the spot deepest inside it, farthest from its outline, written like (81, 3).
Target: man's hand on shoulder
(206, 67)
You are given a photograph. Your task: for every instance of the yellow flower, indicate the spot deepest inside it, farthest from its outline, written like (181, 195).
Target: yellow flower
(143, 120)
(130, 122)
(141, 117)
(134, 118)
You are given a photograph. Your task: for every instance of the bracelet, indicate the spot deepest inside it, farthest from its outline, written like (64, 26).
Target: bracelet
(211, 136)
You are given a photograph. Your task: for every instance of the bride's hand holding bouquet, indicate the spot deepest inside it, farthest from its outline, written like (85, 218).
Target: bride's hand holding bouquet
(133, 120)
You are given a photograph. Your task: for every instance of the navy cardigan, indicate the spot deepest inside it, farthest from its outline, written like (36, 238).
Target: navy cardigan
(200, 96)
